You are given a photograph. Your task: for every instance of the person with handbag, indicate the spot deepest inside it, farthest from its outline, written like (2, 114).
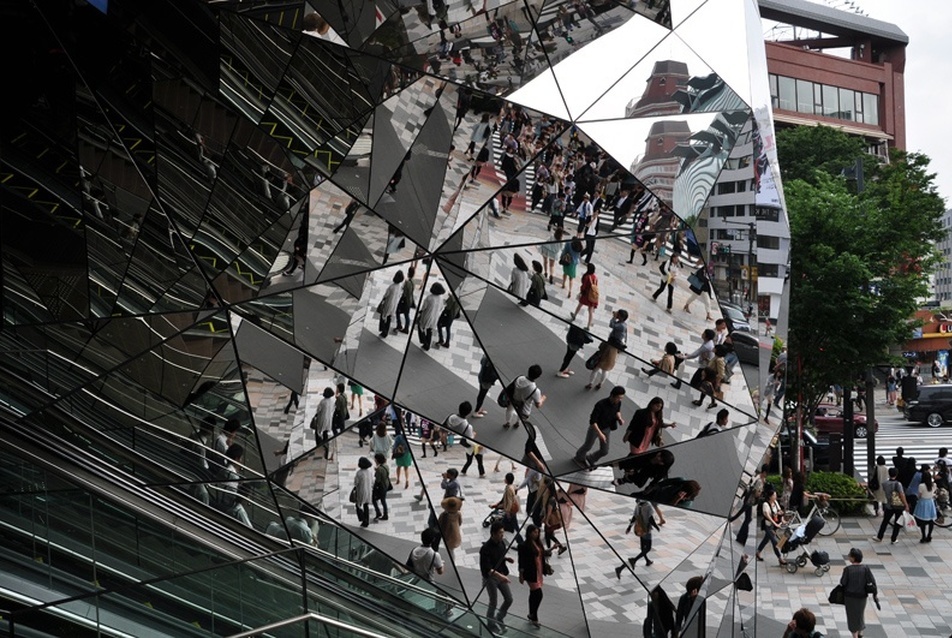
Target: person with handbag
(645, 427)
(857, 582)
(509, 504)
(571, 255)
(771, 522)
(587, 295)
(551, 515)
(608, 351)
(523, 394)
(387, 307)
(895, 506)
(362, 492)
(382, 485)
(532, 567)
(700, 285)
(645, 517)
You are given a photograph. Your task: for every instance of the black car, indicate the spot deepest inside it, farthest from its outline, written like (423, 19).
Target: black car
(747, 347)
(931, 406)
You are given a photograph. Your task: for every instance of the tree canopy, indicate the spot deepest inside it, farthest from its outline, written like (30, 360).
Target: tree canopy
(860, 262)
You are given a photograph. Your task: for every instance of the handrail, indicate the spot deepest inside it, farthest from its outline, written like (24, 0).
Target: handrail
(309, 616)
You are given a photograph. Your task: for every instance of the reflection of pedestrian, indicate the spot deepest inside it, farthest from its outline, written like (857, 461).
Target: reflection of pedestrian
(487, 377)
(646, 468)
(753, 495)
(407, 301)
(363, 490)
(588, 294)
(531, 561)
(575, 340)
(381, 486)
(495, 572)
(683, 612)
(617, 341)
(645, 517)
(772, 519)
(605, 417)
(645, 427)
(449, 522)
(429, 315)
(388, 305)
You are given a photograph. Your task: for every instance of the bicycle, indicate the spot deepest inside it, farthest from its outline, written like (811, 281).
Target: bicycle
(943, 508)
(831, 518)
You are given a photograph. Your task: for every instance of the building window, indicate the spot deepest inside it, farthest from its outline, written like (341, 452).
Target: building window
(725, 188)
(846, 105)
(768, 270)
(831, 101)
(765, 241)
(774, 94)
(788, 94)
(804, 96)
(870, 109)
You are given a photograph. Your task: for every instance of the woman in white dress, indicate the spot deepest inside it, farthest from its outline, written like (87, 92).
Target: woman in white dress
(388, 305)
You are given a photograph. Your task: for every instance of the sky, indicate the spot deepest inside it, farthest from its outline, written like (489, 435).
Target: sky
(928, 69)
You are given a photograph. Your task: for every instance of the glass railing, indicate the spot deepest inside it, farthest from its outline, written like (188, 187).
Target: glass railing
(93, 557)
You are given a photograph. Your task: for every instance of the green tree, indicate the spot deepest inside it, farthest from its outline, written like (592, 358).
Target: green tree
(808, 151)
(859, 261)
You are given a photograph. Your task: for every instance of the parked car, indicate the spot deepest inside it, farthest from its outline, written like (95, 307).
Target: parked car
(931, 406)
(828, 418)
(815, 452)
(747, 347)
(735, 318)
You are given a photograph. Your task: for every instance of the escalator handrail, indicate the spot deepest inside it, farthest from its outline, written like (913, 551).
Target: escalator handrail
(309, 616)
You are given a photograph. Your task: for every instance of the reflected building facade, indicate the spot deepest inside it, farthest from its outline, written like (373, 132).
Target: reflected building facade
(268, 268)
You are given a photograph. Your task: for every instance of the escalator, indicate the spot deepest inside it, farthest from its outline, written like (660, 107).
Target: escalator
(100, 550)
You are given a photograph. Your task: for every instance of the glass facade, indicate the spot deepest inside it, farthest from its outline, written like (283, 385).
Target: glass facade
(812, 98)
(267, 267)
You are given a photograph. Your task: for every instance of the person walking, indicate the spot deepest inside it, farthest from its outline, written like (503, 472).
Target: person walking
(537, 292)
(487, 377)
(426, 561)
(495, 572)
(587, 295)
(895, 505)
(402, 458)
(605, 417)
(323, 422)
(382, 485)
(881, 473)
(687, 626)
(925, 511)
(591, 234)
(753, 496)
(381, 442)
(551, 515)
(668, 363)
(551, 250)
(703, 354)
(617, 341)
(407, 301)
(525, 395)
(645, 517)
(858, 582)
(771, 522)
(575, 340)
(519, 277)
(667, 281)
(509, 504)
(429, 315)
(645, 427)
(450, 522)
(532, 557)
(363, 490)
(341, 412)
(571, 255)
(387, 307)
(700, 285)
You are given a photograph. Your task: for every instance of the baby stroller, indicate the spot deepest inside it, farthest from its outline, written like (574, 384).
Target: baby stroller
(494, 515)
(799, 538)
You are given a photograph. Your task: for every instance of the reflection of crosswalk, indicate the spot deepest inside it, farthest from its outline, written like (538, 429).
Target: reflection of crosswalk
(917, 441)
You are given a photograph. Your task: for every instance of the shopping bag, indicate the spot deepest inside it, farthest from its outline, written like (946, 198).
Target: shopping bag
(909, 523)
